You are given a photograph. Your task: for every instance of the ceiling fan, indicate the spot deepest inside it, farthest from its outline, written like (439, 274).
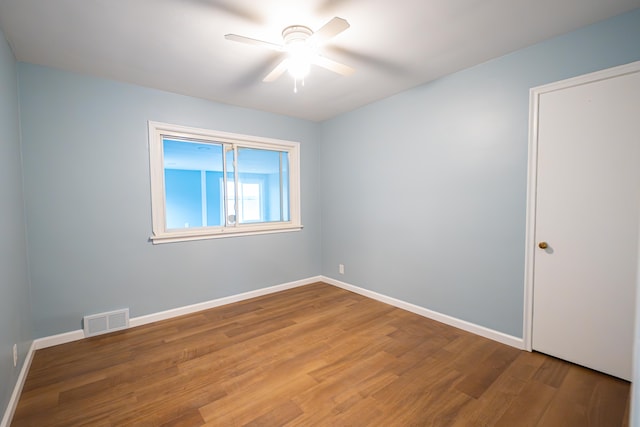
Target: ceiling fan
(301, 46)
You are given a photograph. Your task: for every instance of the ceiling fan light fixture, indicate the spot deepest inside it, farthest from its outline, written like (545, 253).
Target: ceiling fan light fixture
(301, 47)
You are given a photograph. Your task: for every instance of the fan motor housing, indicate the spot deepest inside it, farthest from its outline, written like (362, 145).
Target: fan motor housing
(296, 34)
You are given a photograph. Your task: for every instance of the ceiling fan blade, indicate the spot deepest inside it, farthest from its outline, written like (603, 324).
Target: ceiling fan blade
(331, 29)
(334, 66)
(248, 40)
(276, 72)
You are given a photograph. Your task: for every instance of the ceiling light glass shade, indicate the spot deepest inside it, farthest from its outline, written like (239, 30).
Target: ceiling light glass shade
(301, 56)
(299, 67)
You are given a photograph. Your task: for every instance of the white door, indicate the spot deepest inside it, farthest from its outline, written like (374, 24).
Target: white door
(587, 202)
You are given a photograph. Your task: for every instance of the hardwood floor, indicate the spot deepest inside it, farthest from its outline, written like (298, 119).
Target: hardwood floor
(310, 356)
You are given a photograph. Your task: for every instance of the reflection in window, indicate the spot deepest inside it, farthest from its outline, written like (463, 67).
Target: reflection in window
(194, 185)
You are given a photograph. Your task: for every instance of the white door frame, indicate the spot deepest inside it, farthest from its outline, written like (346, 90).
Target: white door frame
(534, 99)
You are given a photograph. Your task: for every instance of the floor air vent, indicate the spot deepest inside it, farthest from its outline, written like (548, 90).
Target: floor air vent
(102, 323)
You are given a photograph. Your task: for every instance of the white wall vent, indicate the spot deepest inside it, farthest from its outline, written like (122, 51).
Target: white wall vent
(102, 323)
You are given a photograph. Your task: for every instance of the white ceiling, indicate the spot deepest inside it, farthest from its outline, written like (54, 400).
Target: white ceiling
(179, 45)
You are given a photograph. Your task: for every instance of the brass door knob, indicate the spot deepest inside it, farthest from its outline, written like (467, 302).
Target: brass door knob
(543, 245)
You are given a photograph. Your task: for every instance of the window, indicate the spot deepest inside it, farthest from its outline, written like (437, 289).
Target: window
(207, 184)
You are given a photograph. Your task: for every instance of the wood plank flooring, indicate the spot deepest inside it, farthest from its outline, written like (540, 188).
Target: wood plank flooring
(311, 356)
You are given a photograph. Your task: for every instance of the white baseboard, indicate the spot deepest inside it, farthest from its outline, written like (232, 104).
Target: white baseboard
(443, 318)
(179, 311)
(58, 339)
(17, 390)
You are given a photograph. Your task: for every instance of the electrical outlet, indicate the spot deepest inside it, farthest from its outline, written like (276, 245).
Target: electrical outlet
(341, 268)
(15, 355)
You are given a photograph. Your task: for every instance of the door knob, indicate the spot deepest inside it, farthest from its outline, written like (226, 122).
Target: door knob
(543, 245)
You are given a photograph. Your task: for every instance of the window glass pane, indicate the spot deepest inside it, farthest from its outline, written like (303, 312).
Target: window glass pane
(184, 200)
(190, 169)
(263, 192)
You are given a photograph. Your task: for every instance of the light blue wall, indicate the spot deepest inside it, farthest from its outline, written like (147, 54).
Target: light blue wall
(87, 190)
(426, 201)
(15, 312)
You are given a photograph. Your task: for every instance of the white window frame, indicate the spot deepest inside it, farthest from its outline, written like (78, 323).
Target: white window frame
(160, 234)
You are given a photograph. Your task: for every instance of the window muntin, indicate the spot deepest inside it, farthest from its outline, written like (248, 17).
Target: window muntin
(197, 174)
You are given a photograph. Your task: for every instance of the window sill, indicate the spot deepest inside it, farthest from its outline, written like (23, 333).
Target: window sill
(219, 233)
